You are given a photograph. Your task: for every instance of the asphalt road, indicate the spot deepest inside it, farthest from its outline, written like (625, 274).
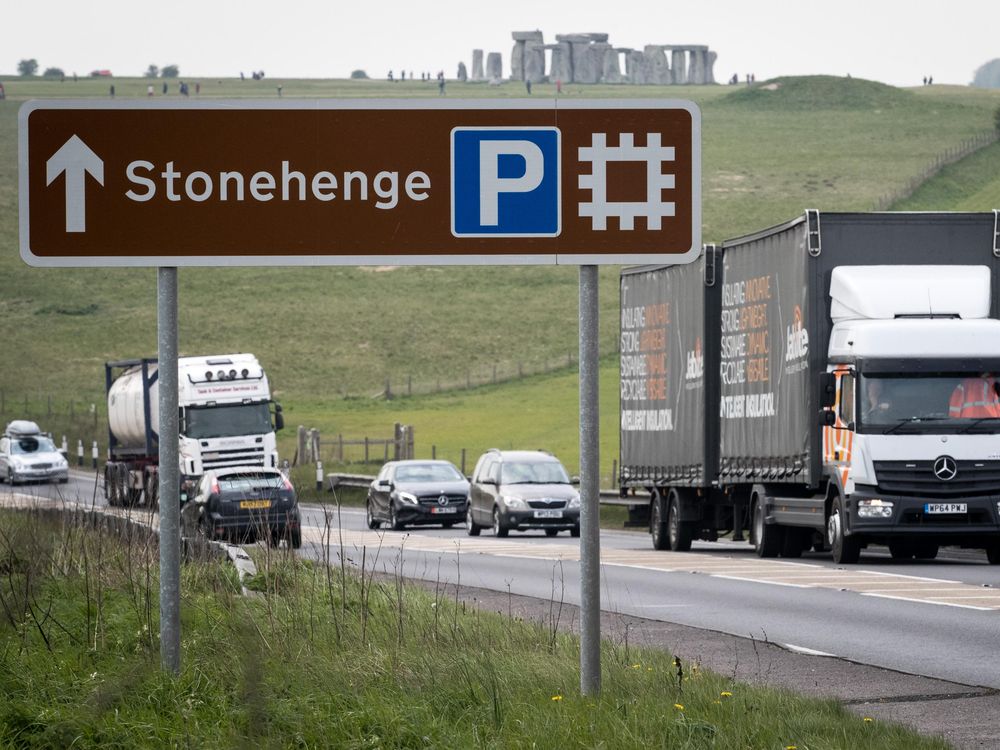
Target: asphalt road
(938, 619)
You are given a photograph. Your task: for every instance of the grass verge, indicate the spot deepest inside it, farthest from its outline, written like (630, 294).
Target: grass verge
(319, 656)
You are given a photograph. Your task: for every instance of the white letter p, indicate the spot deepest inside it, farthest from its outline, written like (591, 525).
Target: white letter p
(491, 185)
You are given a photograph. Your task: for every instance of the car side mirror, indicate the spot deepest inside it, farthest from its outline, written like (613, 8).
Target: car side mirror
(383, 484)
(574, 479)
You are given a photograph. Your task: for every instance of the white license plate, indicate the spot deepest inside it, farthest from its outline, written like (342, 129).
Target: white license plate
(444, 509)
(548, 514)
(946, 508)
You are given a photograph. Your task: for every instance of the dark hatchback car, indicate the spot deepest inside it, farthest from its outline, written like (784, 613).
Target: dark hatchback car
(417, 492)
(246, 503)
(522, 490)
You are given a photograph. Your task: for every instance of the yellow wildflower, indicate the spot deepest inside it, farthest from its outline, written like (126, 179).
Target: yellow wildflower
(726, 694)
(557, 697)
(869, 719)
(678, 706)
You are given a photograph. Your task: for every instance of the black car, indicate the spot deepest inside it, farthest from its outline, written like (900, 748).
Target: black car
(417, 492)
(522, 490)
(246, 503)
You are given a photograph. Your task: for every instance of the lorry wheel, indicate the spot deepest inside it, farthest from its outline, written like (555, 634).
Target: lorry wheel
(846, 549)
(499, 529)
(658, 523)
(792, 543)
(679, 533)
(926, 551)
(767, 538)
(471, 527)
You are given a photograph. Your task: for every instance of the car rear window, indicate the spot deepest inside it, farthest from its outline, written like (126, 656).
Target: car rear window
(245, 482)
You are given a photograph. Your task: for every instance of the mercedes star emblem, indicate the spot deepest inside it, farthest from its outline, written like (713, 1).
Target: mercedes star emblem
(945, 468)
(443, 500)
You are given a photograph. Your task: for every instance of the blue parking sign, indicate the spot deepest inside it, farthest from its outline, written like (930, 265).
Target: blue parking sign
(505, 182)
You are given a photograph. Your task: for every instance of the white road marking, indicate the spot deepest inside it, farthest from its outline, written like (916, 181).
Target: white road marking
(807, 651)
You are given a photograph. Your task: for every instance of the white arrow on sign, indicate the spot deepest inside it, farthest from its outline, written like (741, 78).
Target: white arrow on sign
(75, 158)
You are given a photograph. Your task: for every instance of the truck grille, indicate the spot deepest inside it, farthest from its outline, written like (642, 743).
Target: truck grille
(973, 478)
(235, 457)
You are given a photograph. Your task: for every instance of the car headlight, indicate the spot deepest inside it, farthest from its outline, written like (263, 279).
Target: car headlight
(514, 502)
(18, 464)
(407, 497)
(874, 508)
(574, 502)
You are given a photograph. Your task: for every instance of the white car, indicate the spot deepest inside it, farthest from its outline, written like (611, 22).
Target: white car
(29, 455)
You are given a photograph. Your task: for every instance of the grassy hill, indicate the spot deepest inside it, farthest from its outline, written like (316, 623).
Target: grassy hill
(326, 333)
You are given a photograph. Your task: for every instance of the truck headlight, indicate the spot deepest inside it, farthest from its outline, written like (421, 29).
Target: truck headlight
(407, 497)
(514, 502)
(874, 508)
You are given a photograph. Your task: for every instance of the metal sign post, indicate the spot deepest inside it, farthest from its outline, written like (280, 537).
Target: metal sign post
(169, 472)
(590, 482)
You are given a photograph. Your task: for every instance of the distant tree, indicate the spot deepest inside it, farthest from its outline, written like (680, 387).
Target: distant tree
(152, 72)
(54, 73)
(358, 74)
(27, 67)
(987, 76)
(170, 71)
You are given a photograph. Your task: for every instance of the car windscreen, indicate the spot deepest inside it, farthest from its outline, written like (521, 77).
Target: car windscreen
(248, 482)
(227, 421)
(28, 445)
(428, 473)
(533, 472)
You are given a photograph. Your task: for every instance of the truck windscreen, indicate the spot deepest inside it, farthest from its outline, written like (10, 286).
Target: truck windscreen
(932, 402)
(227, 421)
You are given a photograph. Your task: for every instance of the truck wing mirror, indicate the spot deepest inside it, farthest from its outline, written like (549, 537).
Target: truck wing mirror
(827, 418)
(828, 389)
(279, 420)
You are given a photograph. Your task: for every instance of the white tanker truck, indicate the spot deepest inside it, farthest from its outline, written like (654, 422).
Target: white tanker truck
(225, 420)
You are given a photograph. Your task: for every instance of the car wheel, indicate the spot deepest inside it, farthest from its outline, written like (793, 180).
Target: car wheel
(846, 549)
(394, 521)
(679, 533)
(575, 531)
(767, 538)
(658, 523)
(551, 532)
(205, 529)
(373, 523)
(993, 554)
(295, 537)
(471, 527)
(499, 529)
(926, 551)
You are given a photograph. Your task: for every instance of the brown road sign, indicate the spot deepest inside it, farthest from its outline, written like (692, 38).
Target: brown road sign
(359, 182)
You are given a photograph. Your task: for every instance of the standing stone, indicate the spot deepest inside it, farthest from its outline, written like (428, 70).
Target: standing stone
(562, 62)
(477, 65)
(637, 67)
(658, 68)
(463, 74)
(696, 73)
(678, 63)
(534, 62)
(610, 70)
(710, 58)
(494, 67)
(518, 60)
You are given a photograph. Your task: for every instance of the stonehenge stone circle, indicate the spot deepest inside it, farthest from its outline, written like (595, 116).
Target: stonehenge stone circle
(591, 58)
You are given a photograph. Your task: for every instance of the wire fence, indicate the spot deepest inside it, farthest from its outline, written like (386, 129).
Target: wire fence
(952, 155)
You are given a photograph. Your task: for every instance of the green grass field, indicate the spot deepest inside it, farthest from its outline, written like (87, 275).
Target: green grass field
(325, 334)
(320, 657)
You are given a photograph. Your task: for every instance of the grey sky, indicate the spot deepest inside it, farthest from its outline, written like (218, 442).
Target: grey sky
(894, 41)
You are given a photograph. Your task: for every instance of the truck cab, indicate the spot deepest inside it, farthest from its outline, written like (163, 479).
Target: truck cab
(910, 445)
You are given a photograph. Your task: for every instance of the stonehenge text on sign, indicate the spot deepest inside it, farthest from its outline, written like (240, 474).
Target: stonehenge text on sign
(354, 182)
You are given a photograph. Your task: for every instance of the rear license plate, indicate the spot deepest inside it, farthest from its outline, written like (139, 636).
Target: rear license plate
(946, 508)
(548, 514)
(254, 504)
(444, 509)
